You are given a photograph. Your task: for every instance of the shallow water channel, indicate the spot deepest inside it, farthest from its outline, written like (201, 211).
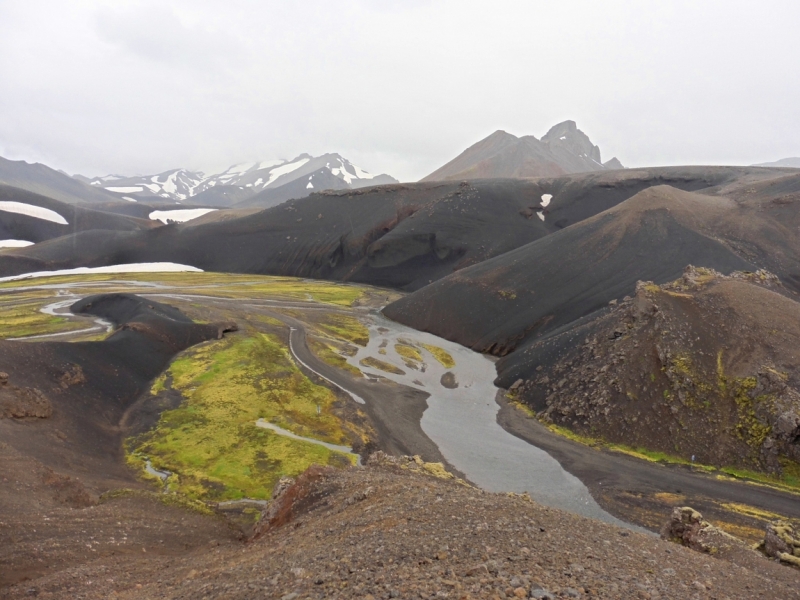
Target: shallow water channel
(462, 421)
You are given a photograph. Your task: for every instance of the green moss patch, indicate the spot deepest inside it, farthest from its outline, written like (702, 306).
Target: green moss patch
(373, 362)
(410, 355)
(211, 443)
(345, 327)
(330, 354)
(440, 354)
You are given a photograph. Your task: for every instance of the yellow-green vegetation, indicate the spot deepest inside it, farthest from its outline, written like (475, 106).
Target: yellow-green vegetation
(211, 443)
(749, 428)
(752, 511)
(330, 354)
(789, 481)
(25, 319)
(507, 294)
(226, 285)
(440, 354)
(641, 453)
(522, 406)
(410, 355)
(670, 498)
(682, 365)
(269, 320)
(345, 327)
(371, 361)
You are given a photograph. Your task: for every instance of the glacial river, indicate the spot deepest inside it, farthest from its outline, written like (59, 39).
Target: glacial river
(462, 422)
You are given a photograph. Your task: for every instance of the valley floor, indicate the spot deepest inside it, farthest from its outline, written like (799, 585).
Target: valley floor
(301, 344)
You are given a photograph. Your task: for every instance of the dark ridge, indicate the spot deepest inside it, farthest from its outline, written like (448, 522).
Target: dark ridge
(403, 236)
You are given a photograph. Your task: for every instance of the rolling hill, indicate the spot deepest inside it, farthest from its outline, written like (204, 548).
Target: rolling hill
(31, 218)
(43, 180)
(402, 236)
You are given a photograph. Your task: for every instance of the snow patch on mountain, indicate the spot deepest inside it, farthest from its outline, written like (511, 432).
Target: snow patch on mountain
(126, 190)
(15, 243)
(32, 210)
(180, 215)
(285, 170)
(159, 267)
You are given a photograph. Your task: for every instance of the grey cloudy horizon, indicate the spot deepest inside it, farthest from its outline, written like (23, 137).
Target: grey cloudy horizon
(398, 87)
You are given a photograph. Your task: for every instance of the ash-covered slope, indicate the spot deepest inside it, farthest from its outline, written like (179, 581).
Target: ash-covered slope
(562, 150)
(496, 305)
(402, 236)
(29, 217)
(41, 179)
(706, 365)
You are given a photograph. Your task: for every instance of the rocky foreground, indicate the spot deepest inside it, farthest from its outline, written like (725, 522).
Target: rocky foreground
(395, 530)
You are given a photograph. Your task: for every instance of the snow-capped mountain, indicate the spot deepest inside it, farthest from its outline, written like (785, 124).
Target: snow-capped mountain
(239, 181)
(177, 184)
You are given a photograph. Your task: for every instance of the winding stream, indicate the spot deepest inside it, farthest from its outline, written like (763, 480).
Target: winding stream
(462, 422)
(61, 309)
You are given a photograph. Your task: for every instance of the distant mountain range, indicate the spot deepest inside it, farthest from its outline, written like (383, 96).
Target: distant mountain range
(793, 163)
(242, 183)
(43, 180)
(563, 150)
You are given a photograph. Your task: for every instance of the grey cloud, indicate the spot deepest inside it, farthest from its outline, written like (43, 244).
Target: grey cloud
(155, 32)
(400, 87)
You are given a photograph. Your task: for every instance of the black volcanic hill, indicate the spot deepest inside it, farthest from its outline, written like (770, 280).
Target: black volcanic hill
(497, 304)
(511, 300)
(14, 225)
(401, 236)
(41, 179)
(562, 150)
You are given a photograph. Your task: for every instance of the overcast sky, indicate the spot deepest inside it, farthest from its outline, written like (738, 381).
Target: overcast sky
(396, 86)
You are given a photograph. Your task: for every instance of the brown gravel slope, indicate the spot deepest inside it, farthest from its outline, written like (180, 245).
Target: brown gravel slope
(388, 532)
(706, 365)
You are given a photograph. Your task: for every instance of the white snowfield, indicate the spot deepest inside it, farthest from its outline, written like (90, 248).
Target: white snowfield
(159, 267)
(132, 189)
(180, 215)
(342, 173)
(284, 169)
(15, 243)
(546, 198)
(33, 211)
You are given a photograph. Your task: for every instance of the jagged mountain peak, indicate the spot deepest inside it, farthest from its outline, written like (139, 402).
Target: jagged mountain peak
(568, 135)
(562, 150)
